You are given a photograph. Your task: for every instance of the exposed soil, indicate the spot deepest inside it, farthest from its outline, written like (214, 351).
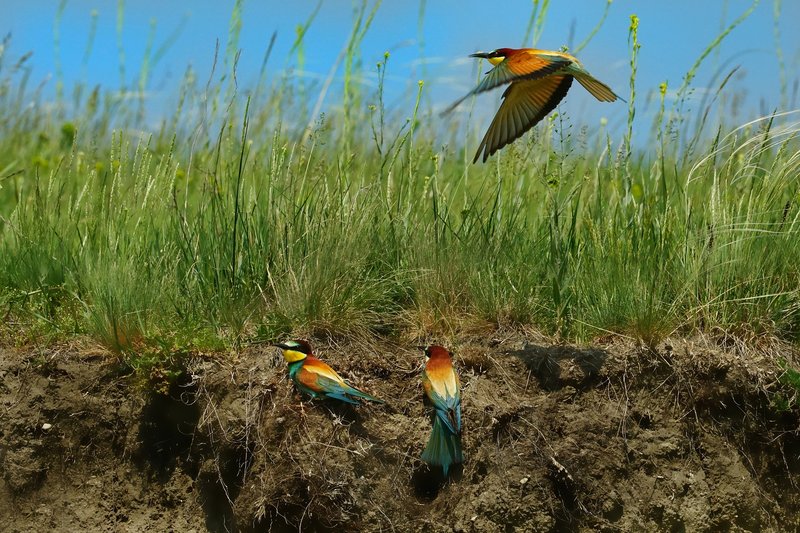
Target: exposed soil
(557, 438)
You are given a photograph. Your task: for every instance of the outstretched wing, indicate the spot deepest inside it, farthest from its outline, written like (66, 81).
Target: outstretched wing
(525, 103)
(521, 66)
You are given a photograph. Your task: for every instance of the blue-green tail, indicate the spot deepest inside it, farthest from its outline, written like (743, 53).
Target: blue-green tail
(352, 391)
(443, 448)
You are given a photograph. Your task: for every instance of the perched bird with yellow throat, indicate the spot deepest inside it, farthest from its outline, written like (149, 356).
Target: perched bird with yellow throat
(538, 80)
(315, 378)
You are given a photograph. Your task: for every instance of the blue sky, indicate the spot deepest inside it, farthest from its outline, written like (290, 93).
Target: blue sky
(672, 35)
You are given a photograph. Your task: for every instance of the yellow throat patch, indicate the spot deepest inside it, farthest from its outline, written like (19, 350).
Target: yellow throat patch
(292, 356)
(496, 60)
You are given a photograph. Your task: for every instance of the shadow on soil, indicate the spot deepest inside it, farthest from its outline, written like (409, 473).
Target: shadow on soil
(168, 439)
(545, 364)
(167, 429)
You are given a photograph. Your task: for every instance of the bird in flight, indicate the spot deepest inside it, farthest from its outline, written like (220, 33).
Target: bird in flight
(315, 378)
(538, 80)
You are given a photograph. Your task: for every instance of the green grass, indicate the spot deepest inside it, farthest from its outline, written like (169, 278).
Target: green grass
(233, 222)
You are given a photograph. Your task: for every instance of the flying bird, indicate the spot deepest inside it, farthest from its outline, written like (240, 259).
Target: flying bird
(315, 378)
(442, 385)
(538, 80)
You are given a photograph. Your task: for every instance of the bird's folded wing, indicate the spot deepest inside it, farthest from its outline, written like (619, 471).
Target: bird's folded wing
(524, 104)
(320, 382)
(318, 369)
(448, 409)
(522, 66)
(446, 400)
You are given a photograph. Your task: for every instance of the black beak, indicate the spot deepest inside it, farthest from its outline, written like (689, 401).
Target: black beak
(482, 55)
(281, 346)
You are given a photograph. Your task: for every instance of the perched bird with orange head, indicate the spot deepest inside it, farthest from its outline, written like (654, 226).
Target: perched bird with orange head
(315, 378)
(442, 387)
(538, 80)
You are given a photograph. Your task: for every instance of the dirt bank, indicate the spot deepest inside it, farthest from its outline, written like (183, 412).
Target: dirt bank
(610, 438)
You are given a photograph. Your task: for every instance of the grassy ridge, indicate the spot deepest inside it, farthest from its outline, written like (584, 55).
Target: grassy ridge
(233, 222)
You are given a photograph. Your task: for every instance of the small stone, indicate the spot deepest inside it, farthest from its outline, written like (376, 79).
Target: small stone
(46, 426)
(473, 518)
(523, 480)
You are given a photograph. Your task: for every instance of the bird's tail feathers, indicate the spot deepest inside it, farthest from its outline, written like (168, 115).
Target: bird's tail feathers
(343, 397)
(358, 394)
(443, 448)
(598, 89)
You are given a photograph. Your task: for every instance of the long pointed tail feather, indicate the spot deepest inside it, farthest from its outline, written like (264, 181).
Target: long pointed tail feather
(343, 398)
(598, 89)
(352, 391)
(443, 448)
